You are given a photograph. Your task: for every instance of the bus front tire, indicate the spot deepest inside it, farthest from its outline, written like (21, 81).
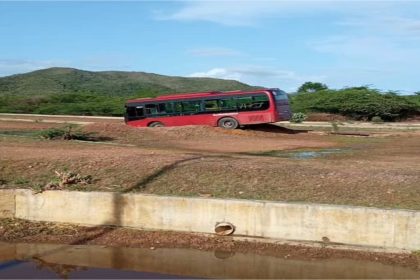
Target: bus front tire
(156, 124)
(228, 123)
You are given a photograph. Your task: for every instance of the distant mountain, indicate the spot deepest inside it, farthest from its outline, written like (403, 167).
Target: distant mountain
(54, 81)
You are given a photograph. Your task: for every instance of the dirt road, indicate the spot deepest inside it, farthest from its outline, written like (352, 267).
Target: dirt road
(380, 170)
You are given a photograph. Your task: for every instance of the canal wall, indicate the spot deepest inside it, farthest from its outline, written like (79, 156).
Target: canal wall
(360, 226)
(7, 203)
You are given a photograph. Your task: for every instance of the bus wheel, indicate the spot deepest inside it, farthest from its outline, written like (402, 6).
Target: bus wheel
(228, 123)
(156, 124)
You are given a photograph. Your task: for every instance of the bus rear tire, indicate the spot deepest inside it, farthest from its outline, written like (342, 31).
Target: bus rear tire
(156, 124)
(228, 123)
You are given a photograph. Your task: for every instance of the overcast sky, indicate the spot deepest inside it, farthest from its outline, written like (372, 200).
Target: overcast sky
(273, 43)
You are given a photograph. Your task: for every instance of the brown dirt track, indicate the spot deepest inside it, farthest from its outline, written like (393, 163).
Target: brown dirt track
(203, 161)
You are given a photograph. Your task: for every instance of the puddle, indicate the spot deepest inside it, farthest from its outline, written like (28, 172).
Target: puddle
(22, 133)
(302, 154)
(37, 134)
(85, 261)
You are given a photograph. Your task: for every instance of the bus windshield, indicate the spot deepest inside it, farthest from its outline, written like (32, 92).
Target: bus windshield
(279, 94)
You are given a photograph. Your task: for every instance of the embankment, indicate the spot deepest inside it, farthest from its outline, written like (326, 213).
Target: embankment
(328, 224)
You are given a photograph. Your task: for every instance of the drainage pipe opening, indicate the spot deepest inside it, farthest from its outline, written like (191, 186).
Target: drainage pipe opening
(224, 228)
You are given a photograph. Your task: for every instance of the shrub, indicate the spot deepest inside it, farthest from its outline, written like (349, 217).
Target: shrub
(334, 127)
(377, 119)
(298, 117)
(51, 133)
(359, 103)
(68, 132)
(312, 87)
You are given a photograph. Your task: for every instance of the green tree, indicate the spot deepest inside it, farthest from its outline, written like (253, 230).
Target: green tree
(312, 87)
(357, 103)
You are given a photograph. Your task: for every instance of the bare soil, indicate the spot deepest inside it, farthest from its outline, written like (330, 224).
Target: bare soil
(380, 171)
(14, 125)
(14, 230)
(325, 117)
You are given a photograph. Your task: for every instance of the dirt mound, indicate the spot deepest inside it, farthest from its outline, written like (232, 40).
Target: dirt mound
(195, 132)
(122, 131)
(109, 129)
(206, 138)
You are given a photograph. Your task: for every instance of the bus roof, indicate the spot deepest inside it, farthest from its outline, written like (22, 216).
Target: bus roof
(195, 95)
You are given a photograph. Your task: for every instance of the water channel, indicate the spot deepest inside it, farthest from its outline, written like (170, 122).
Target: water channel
(301, 154)
(86, 261)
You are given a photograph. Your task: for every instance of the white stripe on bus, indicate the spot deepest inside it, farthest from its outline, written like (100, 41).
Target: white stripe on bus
(226, 114)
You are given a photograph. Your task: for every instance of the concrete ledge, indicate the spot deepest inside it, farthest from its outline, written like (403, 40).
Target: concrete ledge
(360, 226)
(7, 203)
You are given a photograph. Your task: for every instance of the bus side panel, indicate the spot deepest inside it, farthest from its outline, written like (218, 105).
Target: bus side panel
(200, 119)
(245, 118)
(207, 119)
(138, 123)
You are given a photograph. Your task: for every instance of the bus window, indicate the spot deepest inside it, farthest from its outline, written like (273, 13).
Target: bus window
(244, 103)
(191, 107)
(260, 102)
(211, 105)
(139, 112)
(280, 95)
(227, 104)
(131, 111)
(165, 109)
(134, 113)
(177, 108)
(161, 109)
(151, 109)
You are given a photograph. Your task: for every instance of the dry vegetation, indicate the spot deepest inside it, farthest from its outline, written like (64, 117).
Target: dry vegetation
(382, 171)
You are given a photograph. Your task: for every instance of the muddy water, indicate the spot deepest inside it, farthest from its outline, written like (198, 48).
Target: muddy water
(83, 261)
(302, 154)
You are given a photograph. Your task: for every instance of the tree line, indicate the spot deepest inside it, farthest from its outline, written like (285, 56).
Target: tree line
(359, 103)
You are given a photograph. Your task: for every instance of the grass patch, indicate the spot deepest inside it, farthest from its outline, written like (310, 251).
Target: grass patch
(71, 132)
(67, 132)
(20, 133)
(416, 253)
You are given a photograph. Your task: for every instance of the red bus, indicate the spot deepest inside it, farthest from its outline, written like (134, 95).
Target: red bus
(228, 109)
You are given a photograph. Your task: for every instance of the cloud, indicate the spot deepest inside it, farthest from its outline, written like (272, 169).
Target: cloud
(249, 13)
(391, 25)
(261, 76)
(13, 66)
(240, 13)
(214, 52)
(374, 49)
(97, 62)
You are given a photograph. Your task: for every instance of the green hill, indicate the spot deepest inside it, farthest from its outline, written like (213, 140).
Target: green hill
(73, 91)
(112, 83)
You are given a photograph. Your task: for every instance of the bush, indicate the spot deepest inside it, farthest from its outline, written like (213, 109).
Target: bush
(298, 117)
(51, 133)
(359, 103)
(68, 132)
(377, 119)
(312, 87)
